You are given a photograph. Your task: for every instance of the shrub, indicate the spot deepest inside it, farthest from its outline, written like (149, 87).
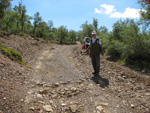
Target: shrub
(23, 34)
(1, 44)
(12, 54)
(115, 48)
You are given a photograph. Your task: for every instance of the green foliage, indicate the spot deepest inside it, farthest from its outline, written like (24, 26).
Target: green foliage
(95, 24)
(50, 24)
(4, 4)
(37, 19)
(72, 37)
(1, 44)
(145, 12)
(103, 29)
(16, 21)
(128, 45)
(22, 17)
(43, 31)
(62, 34)
(115, 48)
(12, 54)
(23, 34)
(86, 30)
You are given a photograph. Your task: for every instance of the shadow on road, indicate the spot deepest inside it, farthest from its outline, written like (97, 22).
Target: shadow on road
(102, 81)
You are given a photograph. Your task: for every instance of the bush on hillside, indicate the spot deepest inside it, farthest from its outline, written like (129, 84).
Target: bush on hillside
(128, 45)
(23, 34)
(12, 54)
(1, 44)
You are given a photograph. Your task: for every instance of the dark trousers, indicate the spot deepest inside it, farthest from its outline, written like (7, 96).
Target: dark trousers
(96, 62)
(86, 46)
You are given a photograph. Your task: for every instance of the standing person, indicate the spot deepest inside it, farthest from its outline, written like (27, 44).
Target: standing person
(87, 42)
(95, 49)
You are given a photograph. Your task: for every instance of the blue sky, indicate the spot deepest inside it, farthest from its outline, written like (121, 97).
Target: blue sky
(74, 13)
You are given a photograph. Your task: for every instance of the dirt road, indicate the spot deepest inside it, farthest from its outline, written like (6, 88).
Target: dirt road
(62, 83)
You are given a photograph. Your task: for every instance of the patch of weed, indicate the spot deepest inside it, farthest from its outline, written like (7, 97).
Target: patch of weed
(14, 55)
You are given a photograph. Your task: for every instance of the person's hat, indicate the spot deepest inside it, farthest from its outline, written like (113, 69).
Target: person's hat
(94, 32)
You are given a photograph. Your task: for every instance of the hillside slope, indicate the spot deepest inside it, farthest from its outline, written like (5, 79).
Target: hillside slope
(60, 81)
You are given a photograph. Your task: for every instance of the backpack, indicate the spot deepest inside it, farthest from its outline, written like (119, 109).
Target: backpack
(87, 40)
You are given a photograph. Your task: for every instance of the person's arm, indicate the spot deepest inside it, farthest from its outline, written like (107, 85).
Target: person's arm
(88, 48)
(101, 47)
(102, 52)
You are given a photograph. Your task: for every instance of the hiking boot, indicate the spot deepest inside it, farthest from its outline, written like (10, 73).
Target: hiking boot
(99, 81)
(94, 73)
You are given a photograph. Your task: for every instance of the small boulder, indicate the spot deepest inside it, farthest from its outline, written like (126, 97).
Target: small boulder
(99, 108)
(48, 108)
(39, 96)
(1, 65)
(73, 108)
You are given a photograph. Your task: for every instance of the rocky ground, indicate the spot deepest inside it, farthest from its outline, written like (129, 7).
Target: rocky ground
(61, 81)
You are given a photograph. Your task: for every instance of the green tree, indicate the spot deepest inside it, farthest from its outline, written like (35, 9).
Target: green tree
(29, 25)
(87, 29)
(23, 17)
(8, 19)
(123, 32)
(128, 44)
(104, 35)
(53, 34)
(95, 24)
(3, 5)
(72, 36)
(43, 31)
(103, 29)
(21, 9)
(37, 19)
(131, 39)
(62, 33)
(50, 24)
(117, 29)
(145, 12)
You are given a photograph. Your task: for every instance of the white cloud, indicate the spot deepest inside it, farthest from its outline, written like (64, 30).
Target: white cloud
(111, 11)
(106, 9)
(128, 13)
(97, 11)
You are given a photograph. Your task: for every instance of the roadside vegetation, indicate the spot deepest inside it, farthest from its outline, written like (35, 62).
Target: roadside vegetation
(128, 43)
(13, 55)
